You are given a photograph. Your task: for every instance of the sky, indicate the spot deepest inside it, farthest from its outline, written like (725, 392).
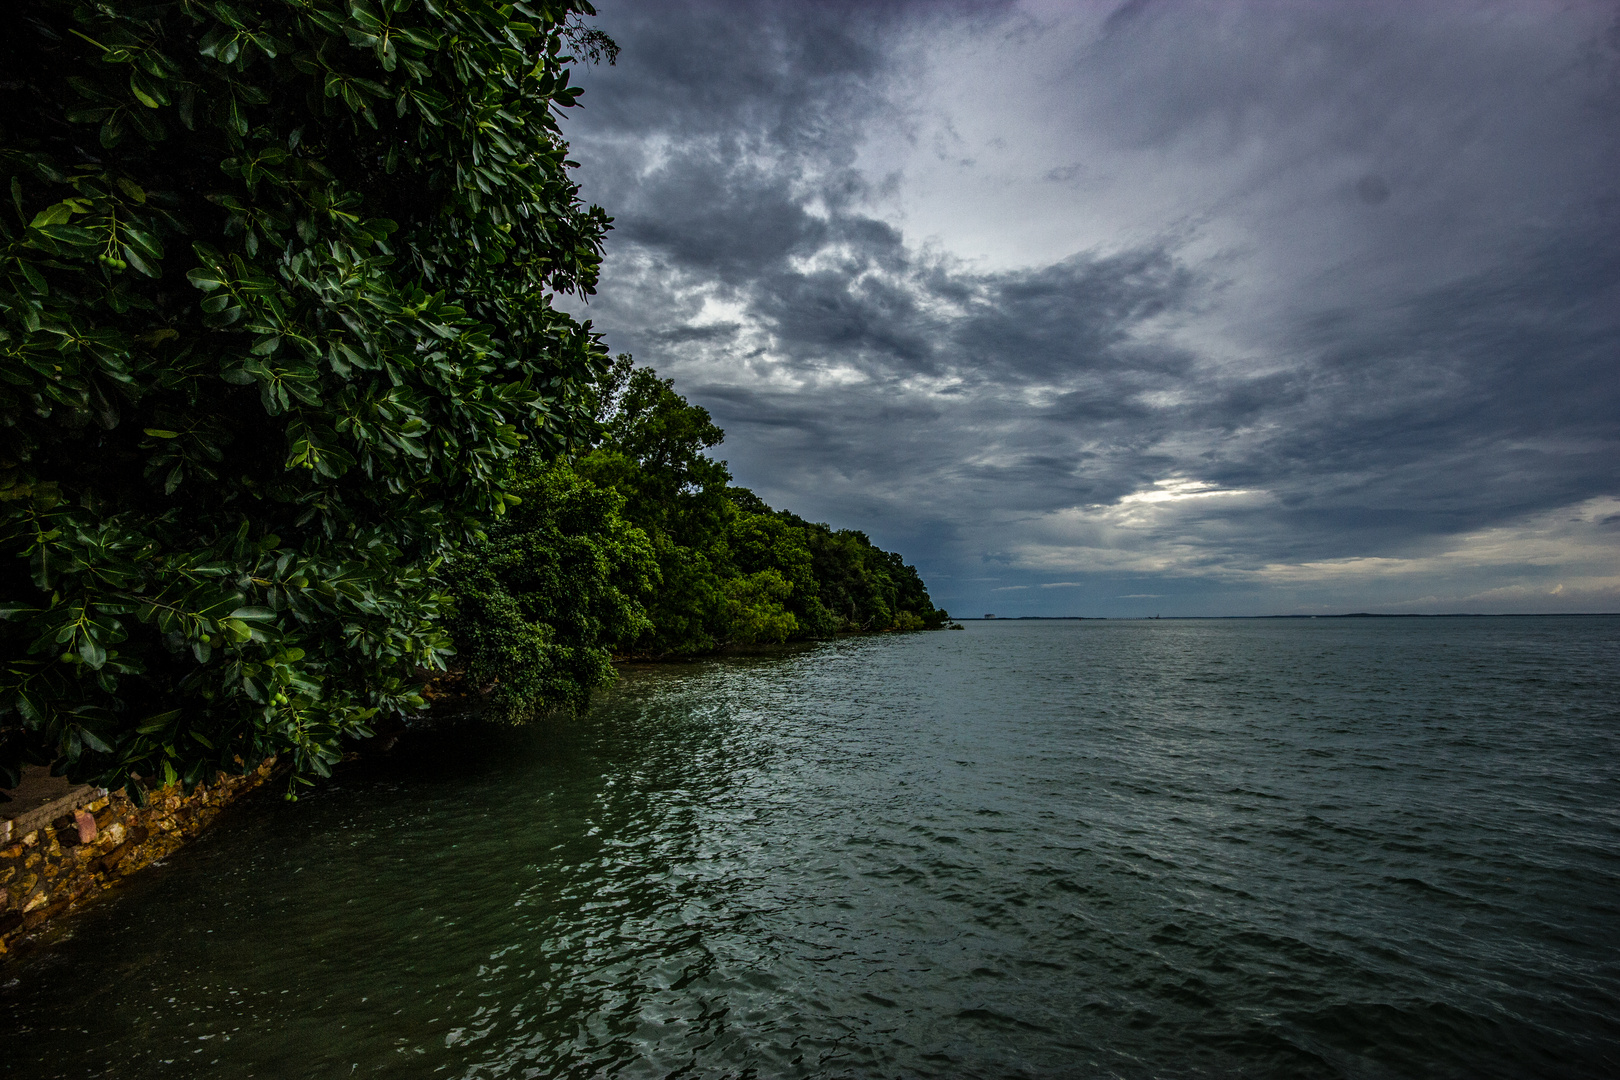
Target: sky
(1145, 307)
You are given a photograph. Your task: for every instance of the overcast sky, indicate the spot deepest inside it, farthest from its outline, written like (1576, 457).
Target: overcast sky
(1153, 307)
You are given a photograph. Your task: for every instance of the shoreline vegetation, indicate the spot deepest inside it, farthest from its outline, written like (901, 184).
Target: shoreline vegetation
(290, 426)
(635, 546)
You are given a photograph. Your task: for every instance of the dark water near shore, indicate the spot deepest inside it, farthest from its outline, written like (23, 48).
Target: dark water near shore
(1365, 848)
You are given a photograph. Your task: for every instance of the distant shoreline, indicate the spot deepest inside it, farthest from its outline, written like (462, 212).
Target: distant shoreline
(1346, 615)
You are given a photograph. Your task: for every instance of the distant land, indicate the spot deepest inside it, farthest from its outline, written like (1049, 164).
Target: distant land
(1345, 615)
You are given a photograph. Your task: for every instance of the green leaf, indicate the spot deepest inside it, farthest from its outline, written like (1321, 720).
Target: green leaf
(144, 242)
(206, 280)
(36, 280)
(147, 91)
(91, 651)
(156, 722)
(52, 215)
(69, 234)
(113, 129)
(94, 741)
(160, 433)
(134, 259)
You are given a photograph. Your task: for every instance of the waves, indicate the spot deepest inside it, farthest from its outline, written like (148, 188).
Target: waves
(1357, 848)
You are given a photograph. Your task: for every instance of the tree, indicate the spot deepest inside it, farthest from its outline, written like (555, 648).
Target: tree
(542, 601)
(276, 312)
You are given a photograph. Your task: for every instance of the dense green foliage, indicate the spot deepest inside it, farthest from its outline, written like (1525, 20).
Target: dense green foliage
(636, 543)
(542, 601)
(275, 290)
(733, 570)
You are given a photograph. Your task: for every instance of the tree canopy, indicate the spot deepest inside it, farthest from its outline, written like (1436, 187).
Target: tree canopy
(635, 543)
(276, 296)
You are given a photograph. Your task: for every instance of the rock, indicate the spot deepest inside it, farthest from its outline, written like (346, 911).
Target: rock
(117, 854)
(87, 826)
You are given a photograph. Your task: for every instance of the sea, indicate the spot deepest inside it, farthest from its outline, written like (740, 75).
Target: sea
(1371, 847)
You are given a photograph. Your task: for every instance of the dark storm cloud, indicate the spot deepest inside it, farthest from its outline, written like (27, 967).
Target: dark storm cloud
(1414, 338)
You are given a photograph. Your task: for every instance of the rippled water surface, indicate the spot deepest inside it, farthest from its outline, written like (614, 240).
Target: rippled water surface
(1367, 848)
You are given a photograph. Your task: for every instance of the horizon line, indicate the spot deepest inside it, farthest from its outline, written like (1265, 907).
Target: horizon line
(1339, 615)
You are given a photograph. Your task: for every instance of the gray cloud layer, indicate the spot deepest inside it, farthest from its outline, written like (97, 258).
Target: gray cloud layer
(1200, 308)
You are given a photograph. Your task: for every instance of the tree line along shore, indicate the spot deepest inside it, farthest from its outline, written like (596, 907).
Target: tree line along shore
(290, 424)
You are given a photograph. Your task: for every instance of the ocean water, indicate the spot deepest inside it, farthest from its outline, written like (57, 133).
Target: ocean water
(1257, 848)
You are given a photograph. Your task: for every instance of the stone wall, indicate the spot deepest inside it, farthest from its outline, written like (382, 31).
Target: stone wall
(59, 855)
